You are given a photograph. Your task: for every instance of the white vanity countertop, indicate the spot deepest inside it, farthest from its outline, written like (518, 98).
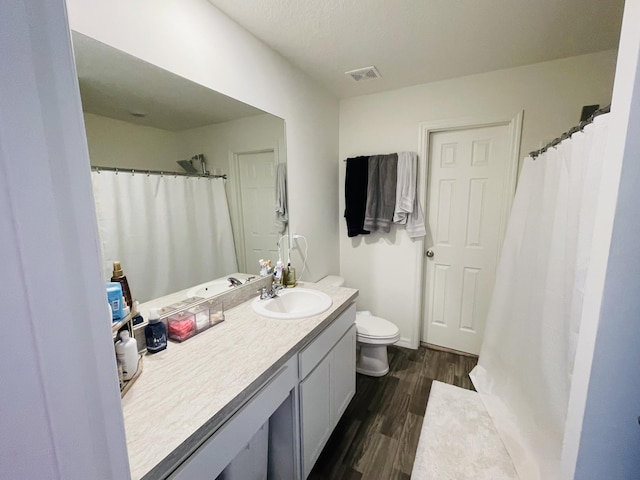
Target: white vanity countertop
(192, 387)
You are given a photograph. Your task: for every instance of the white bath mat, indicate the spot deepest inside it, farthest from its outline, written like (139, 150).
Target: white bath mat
(458, 440)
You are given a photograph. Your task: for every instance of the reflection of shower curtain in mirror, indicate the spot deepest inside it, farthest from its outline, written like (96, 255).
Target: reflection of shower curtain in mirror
(169, 232)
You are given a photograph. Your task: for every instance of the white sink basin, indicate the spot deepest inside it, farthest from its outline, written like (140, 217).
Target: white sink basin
(209, 289)
(293, 303)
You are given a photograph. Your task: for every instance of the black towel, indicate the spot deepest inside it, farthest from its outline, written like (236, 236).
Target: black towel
(355, 194)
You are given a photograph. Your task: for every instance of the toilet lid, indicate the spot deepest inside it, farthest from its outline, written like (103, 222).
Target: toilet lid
(375, 327)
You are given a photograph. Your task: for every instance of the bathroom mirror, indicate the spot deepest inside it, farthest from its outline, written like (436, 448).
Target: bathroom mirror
(141, 118)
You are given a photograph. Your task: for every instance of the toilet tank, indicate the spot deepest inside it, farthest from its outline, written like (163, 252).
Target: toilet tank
(332, 280)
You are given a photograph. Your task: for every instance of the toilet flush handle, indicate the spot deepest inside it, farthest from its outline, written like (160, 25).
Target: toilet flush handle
(429, 253)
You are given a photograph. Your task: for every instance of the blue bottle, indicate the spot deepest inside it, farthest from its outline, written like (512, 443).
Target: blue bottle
(114, 296)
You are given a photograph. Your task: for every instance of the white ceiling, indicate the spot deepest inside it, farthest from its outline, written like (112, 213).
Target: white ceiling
(419, 41)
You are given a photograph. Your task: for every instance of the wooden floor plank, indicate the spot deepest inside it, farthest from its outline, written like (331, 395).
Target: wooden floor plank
(379, 431)
(378, 459)
(420, 395)
(395, 414)
(406, 453)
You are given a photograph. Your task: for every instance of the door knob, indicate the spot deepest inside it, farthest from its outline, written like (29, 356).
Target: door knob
(429, 253)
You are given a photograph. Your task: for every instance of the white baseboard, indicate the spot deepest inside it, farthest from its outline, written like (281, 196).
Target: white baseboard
(405, 342)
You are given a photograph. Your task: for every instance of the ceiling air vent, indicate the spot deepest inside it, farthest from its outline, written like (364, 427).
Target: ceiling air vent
(362, 74)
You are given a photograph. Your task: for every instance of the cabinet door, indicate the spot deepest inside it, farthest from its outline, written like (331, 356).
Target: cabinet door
(315, 411)
(343, 374)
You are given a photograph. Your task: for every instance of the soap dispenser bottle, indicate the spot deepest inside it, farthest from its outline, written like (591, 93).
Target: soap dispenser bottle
(118, 276)
(155, 333)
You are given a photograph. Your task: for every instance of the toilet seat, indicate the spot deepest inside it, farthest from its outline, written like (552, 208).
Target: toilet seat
(375, 330)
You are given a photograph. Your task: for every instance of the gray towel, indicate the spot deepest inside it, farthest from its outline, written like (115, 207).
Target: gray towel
(282, 211)
(381, 192)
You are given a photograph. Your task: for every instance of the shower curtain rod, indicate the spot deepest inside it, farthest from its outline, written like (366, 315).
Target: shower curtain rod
(133, 171)
(568, 134)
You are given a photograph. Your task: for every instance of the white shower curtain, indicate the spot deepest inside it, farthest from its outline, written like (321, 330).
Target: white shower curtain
(169, 232)
(527, 356)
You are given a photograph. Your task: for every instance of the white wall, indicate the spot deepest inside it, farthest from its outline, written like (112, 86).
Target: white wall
(193, 39)
(115, 143)
(219, 141)
(387, 268)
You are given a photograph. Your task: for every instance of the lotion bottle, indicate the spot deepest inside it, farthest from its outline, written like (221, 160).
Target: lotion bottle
(127, 355)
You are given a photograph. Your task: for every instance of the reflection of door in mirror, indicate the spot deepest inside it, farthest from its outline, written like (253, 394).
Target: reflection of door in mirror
(256, 187)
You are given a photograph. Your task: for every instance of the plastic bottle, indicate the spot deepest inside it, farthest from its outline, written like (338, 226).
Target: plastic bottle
(278, 272)
(118, 276)
(155, 333)
(127, 355)
(114, 296)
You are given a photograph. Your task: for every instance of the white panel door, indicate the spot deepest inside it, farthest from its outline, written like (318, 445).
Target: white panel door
(257, 202)
(467, 170)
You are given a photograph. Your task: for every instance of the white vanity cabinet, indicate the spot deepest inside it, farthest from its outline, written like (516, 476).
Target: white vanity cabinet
(328, 383)
(300, 405)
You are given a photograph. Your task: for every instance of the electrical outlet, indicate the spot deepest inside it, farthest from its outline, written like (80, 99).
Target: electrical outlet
(294, 244)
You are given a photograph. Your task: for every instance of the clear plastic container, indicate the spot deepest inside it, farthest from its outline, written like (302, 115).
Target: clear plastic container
(181, 326)
(201, 315)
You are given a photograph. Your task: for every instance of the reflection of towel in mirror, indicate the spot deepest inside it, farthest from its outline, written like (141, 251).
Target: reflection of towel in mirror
(355, 194)
(282, 212)
(381, 192)
(408, 211)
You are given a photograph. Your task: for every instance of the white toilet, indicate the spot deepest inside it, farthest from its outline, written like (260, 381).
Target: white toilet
(373, 334)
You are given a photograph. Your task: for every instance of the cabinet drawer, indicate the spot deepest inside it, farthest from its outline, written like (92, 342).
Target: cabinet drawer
(313, 353)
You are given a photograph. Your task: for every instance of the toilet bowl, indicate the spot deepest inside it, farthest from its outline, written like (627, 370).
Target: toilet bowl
(373, 334)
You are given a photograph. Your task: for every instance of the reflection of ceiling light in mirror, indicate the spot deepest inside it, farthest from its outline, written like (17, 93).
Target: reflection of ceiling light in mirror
(138, 114)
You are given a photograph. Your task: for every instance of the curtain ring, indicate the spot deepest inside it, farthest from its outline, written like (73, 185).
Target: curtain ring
(116, 171)
(132, 172)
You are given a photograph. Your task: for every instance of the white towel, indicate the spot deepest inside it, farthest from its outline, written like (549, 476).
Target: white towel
(282, 211)
(408, 211)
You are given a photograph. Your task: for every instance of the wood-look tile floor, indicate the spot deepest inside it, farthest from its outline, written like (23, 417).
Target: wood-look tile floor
(377, 437)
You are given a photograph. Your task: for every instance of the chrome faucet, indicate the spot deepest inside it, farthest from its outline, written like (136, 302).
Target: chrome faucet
(272, 292)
